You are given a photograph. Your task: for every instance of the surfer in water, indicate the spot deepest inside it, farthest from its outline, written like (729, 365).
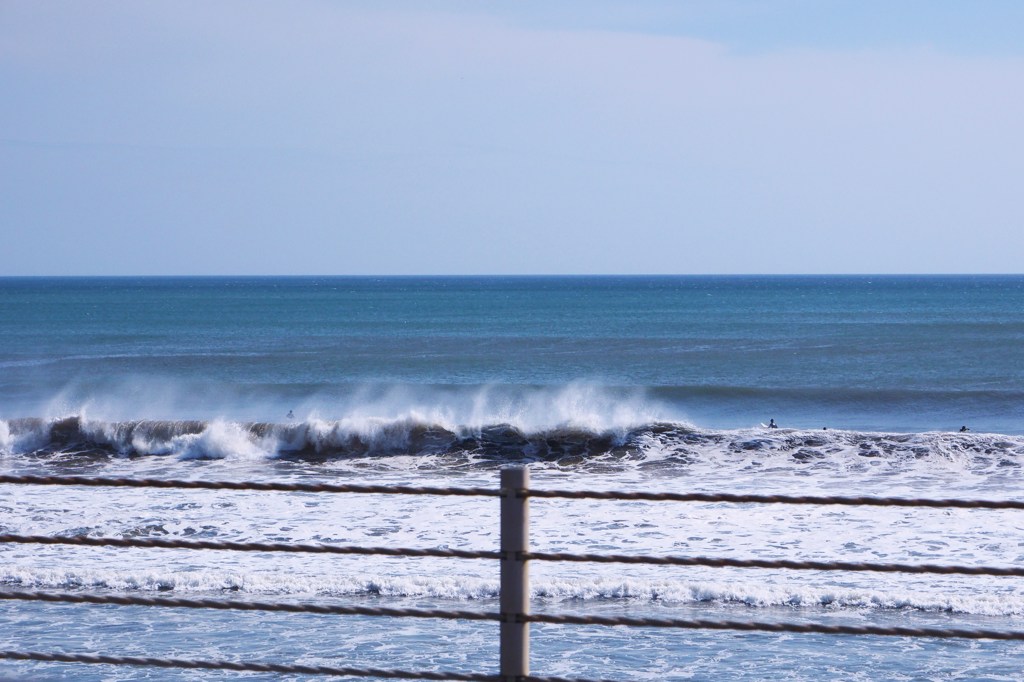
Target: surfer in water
(290, 415)
(772, 424)
(964, 429)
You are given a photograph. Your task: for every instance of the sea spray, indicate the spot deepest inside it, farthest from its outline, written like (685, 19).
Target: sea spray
(413, 435)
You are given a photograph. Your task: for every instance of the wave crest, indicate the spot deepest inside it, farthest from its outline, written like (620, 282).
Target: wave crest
(316, 439)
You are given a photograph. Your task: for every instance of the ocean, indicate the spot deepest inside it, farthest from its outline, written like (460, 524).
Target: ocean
(605, 383)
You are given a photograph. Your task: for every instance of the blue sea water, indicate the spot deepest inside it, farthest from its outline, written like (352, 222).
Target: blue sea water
(592, 382)
(872, 353)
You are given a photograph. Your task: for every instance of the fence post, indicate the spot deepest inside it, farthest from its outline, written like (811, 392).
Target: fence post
(515, 574)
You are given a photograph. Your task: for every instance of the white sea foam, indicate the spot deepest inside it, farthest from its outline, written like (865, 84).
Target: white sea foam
(651, 456)
(751, 593)
(219, 440)
(21, 437)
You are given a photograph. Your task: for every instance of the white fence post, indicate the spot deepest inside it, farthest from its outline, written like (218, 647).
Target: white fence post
(515, 574)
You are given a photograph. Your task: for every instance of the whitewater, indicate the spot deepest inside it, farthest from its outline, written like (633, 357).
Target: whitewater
(652, 384)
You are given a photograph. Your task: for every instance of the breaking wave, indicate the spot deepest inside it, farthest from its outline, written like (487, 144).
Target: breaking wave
(316, 439)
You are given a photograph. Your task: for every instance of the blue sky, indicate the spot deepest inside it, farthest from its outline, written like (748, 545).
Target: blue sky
(442, 137)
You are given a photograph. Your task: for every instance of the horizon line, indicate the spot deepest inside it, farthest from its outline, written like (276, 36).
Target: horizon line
(512, 275)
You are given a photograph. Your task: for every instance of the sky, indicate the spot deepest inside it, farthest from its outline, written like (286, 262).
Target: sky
(247, 137)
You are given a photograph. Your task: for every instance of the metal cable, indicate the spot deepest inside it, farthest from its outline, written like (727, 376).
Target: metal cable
(228, 605)
(768, 563)
(472, 615)
(810, 628)
(773, 499)
(247, 485)
(269, 667)
(529, 618)
(494, 492)
(239, 666)
(162, 543)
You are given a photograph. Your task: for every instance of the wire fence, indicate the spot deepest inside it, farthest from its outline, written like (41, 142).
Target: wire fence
(514, 616)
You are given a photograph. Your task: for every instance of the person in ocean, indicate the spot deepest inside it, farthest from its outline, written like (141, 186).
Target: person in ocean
(290, 415)
(771, 424)
(964, 429)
